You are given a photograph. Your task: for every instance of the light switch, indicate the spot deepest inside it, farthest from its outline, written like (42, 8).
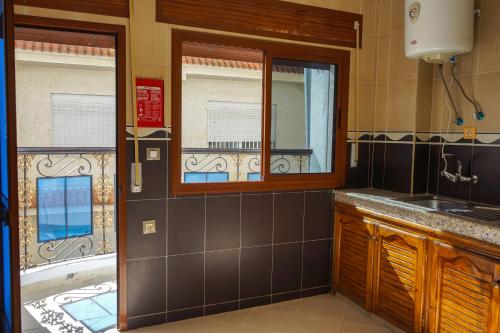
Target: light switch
(153, 154)
(149, 227)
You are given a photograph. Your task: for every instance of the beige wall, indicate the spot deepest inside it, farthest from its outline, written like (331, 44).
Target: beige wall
(479, 71)
(38, 75)
(396, 94)
(153, 41)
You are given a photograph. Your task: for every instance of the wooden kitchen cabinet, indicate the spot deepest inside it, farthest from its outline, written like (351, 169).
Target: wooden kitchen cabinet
(399, 276)
(464, 291)
(418, 279)
(353, 259)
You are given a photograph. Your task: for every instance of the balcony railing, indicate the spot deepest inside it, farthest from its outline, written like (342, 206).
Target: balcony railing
(239, 163)
(35, 163)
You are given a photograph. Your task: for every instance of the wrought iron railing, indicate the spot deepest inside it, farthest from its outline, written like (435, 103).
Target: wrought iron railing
(34, 163)
(240, 162)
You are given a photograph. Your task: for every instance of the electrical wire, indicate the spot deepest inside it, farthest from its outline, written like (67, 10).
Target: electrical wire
(450, 114)
(356, 153)
(137, 174)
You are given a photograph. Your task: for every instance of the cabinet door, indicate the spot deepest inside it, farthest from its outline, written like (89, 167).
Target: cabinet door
(353, 259)
(398, 287)
(464, 293)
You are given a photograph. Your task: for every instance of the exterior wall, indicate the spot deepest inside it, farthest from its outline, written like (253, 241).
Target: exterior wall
(38, 75)
(215, 84)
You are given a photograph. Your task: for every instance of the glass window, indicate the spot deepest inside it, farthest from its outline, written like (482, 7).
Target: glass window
(304, 138)
(221, 112)
(206, 177)
(83, 120)
(253, 176)
(64, 207)
(268, 114)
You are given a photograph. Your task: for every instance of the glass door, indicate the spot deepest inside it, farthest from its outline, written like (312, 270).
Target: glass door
(66, 152)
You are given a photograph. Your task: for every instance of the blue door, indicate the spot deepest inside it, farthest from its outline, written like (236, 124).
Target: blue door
(5, 289)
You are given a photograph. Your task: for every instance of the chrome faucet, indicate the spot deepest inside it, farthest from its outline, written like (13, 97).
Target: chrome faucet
(457, 177)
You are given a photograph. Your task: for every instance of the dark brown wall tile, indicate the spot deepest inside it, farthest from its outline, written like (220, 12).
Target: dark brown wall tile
(318, 215)
(150, 245)
(185, 281)
(256, 267)
(146, 281)
(222, 276)
(288, 217)
(223, 223)
(287, 267)
(316, 271)
(186, 225)
(257, 219)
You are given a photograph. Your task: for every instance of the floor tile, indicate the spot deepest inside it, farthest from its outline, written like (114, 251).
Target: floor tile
(318, 314)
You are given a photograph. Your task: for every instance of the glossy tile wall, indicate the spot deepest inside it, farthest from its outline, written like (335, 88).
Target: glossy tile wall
(216, 253)
(405, 156)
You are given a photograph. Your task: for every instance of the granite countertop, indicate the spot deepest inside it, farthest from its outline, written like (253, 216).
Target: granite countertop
(380, 201)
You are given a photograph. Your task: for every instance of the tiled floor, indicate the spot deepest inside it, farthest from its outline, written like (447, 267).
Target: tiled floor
(324, 313)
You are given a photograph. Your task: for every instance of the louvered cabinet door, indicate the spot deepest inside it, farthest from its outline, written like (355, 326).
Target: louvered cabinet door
(464, 293)
(398, 287)
(353, 259)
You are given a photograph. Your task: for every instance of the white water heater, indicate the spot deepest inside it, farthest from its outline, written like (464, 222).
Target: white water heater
(435, 30)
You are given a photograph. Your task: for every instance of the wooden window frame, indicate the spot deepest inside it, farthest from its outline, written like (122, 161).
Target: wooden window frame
(271, 49)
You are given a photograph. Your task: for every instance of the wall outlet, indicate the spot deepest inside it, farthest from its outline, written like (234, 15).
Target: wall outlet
(149, 227)
(153, 154)
(470, 132)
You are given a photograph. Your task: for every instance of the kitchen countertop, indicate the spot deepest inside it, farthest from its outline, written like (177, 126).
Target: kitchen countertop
(380, 201)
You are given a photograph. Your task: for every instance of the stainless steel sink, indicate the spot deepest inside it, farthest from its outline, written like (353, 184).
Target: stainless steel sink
(456, 207)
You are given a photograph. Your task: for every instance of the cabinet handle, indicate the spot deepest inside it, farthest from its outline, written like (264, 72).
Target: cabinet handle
(496, 284)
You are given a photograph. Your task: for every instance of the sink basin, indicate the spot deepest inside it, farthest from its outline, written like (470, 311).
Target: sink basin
(434, 202)
(456, 207)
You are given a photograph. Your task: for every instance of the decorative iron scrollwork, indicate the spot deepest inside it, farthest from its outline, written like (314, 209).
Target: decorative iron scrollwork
(65, 165)
(206, 163)
(66, 248)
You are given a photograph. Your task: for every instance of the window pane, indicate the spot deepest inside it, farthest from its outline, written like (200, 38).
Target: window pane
(51, 209)
(303, 128)
(217, 177)
(79, 205)
(221, 112)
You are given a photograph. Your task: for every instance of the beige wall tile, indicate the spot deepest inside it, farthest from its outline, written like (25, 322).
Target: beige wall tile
(425, 70)
(402, 106)
(424, 105)
(381, 107)
(397, 14)
(488, 88)
(369, 10)
(368, 59)
(385, 18)
(151, 37)
(436, 112)
(489, 38)
(383, 58)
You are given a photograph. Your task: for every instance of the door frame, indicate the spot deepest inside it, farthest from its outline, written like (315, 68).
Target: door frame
(119, 31)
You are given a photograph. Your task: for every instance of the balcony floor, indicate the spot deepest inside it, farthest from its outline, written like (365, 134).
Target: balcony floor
(89, 309)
